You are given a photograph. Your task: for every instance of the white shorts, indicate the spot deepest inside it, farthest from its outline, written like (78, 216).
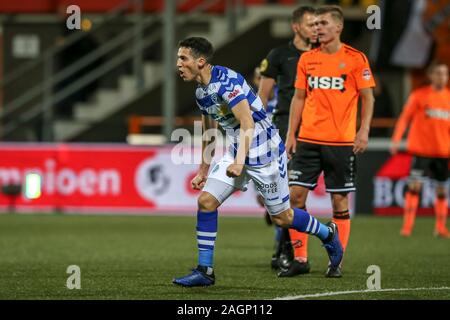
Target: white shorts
(271, 182)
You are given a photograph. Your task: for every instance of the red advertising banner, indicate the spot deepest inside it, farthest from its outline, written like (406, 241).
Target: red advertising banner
(390, 184)
(75, 176)
(93, 178)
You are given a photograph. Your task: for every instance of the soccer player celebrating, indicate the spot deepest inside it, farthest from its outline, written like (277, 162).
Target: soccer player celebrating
(255, 153)
(428, 112)
(279, 68)
(329, 81)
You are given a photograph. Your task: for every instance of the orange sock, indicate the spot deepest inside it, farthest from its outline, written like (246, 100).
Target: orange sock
(299, 242)
(342, 220)
(441, 208)
(409, 214)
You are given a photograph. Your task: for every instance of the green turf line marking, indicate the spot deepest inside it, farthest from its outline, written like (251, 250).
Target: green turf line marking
(338, 293)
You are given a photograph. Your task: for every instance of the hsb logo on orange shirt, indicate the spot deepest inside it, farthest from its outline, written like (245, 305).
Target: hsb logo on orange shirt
(335, 83)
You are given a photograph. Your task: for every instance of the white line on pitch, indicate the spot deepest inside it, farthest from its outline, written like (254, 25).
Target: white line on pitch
(338, 293)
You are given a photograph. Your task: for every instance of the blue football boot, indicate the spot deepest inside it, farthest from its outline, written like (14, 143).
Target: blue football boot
(198, 278)
(335, 252)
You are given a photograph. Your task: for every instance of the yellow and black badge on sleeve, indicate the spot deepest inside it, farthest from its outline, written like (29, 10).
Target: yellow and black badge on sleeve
(264, 65)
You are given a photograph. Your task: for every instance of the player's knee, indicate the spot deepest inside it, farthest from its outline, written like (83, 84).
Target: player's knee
(339, 201)
(441, 192)
(414, 187)
(297, 197)
(206, 202)
(339, 197)
(297, 201)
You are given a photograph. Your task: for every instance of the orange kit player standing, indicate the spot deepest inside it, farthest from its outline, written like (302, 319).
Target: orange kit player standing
(330, 79)
(428, 111)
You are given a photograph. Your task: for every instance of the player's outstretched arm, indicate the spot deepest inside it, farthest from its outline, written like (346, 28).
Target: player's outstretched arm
(367, 105)
(295, 119)
(402, 123)
(247, 126)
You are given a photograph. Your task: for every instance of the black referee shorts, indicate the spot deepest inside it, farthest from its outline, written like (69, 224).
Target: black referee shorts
(337, 162)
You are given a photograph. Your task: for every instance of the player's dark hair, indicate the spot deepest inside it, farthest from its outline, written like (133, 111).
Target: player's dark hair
(298, 13)
(434, 64)
(336, 11)
(200, 47)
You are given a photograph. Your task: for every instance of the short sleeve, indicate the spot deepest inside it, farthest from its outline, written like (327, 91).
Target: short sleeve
(270, 66)
(300, 80)
(362, 74)
(232, 93)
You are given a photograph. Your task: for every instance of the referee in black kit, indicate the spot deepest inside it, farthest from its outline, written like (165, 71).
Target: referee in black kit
(279, 68)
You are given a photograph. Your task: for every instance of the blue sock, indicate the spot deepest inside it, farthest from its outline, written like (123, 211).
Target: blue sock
(304, 222)
(206, 237)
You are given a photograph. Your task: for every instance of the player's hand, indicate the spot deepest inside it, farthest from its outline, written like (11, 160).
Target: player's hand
(199, 181)
(234, 170)
(394, 147)
(291, 146)
(361, 142)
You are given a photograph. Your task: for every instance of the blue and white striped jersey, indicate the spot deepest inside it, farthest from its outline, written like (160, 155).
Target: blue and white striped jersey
(226, 89)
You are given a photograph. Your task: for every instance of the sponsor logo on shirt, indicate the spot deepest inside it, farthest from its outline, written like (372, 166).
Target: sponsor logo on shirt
(332, 83)
(233, 94)
(437, 113)
(366, 74)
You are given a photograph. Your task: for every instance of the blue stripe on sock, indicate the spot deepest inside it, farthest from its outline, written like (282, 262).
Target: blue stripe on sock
(206, 222)
(301, 221)
(206, 238)
(316, 231)
(310, 224)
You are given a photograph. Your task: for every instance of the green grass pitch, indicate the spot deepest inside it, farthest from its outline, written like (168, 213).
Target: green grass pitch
(136, 257)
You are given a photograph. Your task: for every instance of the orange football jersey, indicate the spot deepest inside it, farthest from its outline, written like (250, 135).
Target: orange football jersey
(428, 111)
(332, 83)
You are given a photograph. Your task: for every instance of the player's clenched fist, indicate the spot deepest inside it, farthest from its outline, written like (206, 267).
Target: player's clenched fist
(199, 181)
(234, 170)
